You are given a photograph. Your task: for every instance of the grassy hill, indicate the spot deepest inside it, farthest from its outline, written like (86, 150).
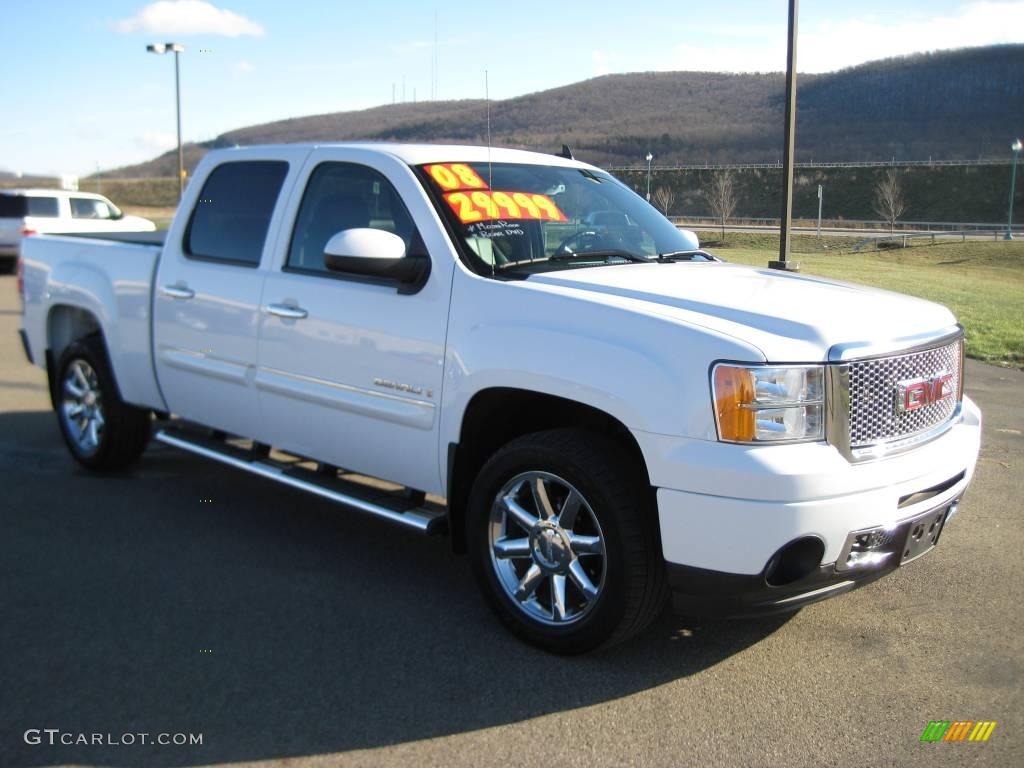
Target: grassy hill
(960, 104)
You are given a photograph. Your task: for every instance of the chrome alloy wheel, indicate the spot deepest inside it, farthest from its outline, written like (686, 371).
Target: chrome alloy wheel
(82, 407)
(547, 548)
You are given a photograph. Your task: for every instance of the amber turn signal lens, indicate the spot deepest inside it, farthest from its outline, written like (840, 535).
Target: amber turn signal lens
(734, 388)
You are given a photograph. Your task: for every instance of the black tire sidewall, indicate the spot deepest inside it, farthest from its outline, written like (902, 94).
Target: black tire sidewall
(604, 618)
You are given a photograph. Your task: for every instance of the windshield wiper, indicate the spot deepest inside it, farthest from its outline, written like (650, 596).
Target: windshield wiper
(606, 254)
(673, 256)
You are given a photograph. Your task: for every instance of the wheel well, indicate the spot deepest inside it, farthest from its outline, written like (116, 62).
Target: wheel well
(496, 416)
(64, 326)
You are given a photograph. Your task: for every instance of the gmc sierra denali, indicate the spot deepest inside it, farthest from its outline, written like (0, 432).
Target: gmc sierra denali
(517, 350)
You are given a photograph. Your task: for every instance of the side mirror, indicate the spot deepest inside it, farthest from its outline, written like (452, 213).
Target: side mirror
(377, 254)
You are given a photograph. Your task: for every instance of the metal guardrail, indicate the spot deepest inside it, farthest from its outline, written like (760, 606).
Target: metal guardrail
(901, 226)
(812, 164)
(900, 240)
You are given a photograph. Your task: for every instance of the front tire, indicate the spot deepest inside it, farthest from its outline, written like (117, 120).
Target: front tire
(562, 534)
(102, 432)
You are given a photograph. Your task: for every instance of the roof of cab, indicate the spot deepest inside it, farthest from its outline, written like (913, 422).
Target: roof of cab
(417, 154)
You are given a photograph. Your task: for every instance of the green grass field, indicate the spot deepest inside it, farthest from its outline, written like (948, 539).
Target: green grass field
(982, 282)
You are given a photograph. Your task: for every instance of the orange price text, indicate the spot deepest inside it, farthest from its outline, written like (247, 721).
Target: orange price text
(452, 176)
(490, 205)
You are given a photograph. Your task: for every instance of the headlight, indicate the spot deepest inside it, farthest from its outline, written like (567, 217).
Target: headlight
(755, 404)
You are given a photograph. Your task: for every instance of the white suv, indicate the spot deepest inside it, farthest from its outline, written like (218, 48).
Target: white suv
(31, 211)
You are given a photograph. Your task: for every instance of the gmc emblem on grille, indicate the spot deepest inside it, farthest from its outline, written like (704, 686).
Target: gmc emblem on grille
(917, 393)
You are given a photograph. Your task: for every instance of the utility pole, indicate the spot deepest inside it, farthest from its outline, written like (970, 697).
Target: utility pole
(786, 219)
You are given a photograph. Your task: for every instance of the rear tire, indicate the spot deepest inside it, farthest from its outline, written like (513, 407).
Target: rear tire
(102, 432)
(562, 533)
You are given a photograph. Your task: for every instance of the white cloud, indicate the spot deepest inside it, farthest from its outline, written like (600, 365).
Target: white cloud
(241, 67)
(188, 17)
(155, 142)
(830, 45)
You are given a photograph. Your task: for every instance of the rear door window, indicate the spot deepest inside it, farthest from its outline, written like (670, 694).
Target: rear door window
(231, 218)
(43, 207)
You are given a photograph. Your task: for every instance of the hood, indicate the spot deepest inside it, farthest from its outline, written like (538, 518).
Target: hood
(789, 317)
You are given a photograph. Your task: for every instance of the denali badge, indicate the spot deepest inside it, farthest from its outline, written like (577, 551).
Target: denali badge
(917, 393)
(410, 388)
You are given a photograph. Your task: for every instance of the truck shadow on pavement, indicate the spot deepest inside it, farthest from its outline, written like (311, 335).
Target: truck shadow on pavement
(184, 597)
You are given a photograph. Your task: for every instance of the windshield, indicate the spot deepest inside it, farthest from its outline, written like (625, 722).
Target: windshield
(518, 217)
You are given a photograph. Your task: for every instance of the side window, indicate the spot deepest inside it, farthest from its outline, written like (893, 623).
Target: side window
(44, 207)
(344, 196)
(232, 216)
(88, 208)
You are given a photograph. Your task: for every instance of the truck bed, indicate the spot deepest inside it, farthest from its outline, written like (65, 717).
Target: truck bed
(135, 238)
(104, 276)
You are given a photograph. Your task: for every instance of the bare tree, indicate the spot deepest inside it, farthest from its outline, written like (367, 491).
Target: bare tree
(889, 202)
(664, 198)
(721, 195)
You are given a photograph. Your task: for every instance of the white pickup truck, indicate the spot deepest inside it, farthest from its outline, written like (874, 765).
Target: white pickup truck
(444, 337)
(25, 212)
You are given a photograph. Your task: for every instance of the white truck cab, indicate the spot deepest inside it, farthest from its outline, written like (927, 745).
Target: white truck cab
(600, 416)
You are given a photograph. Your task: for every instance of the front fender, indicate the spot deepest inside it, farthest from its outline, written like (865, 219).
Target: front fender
(647, 371)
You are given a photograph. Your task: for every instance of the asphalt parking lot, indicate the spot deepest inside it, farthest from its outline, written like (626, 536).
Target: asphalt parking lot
(289, 632)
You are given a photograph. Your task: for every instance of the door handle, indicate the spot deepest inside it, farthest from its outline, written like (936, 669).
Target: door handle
(290, 313)
(177, 291)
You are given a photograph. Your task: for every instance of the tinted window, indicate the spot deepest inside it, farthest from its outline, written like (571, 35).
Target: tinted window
(89, 208)
(231, 219)
(45, 207)
(344, 196)
(13, 206)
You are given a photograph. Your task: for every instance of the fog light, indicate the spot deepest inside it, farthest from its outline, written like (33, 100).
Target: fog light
(867, 549)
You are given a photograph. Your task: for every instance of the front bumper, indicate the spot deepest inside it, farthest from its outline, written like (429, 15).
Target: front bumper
(726, 511)
(712, 594)
(786, 585)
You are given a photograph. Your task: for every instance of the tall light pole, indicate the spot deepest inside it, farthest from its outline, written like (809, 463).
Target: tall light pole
(649, 158)
(1016, 147)
(176, 48)
(788, 145)
(821, 197)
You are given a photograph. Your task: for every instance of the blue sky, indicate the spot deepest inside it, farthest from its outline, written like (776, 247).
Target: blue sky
(79, 90)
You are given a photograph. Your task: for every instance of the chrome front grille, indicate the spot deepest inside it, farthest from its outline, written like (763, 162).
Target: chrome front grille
(874, 411)
(868, 413)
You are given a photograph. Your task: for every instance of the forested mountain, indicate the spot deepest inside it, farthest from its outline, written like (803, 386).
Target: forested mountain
(960, 104)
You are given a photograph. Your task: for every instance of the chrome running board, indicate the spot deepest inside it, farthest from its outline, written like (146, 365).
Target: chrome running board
(406, 510)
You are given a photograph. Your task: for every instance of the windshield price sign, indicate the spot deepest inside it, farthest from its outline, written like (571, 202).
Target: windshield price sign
(452, 176)
(488, 205)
